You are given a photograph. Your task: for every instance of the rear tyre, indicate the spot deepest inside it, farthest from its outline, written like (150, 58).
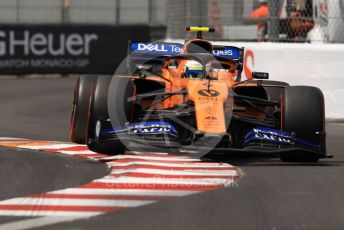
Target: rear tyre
(79, 118)
(303, 113)
(98, 112)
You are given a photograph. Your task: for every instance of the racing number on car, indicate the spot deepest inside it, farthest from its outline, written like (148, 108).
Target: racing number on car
(208, 93)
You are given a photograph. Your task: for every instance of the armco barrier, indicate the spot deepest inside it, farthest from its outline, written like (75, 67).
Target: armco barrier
(319, 65)
(27, 49)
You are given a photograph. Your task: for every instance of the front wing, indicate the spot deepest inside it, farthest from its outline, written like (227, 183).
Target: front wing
(162, 136)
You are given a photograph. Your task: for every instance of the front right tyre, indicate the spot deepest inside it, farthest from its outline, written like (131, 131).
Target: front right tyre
(303, 112)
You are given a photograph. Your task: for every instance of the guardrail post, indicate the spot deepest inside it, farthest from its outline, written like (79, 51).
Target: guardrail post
(273, 23)
(118, 11)
(65, 11)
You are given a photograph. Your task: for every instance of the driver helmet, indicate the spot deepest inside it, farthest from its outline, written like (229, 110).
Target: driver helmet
(192, 70)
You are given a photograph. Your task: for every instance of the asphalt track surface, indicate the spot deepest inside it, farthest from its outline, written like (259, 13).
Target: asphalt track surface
(270, 195)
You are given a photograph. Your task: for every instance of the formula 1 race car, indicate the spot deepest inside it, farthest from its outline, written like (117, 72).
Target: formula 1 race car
(189, 99)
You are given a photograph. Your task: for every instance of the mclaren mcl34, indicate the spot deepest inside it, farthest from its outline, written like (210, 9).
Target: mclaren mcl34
(190, 99)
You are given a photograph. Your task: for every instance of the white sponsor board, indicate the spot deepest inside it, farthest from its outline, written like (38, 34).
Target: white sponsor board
(320, 65)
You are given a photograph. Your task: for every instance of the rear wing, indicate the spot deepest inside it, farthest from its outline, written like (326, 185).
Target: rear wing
(154, 53)
(151, 53)
(155, 48)
(233, 53)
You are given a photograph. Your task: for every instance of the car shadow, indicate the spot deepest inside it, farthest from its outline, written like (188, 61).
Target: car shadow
(269, 161)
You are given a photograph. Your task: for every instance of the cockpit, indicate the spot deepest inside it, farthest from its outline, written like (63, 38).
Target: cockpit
(200, 66)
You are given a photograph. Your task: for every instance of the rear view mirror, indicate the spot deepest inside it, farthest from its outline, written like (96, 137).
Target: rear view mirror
(172, 67)
(144, 70)
(260, 75)
(144, 67)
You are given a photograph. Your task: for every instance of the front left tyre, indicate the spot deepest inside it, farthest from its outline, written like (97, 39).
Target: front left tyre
(99, 112)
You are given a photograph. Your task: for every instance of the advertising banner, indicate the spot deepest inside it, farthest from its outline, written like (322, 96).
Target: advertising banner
(26, 49)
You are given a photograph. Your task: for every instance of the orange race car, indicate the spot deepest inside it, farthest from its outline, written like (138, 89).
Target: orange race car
(189, 99)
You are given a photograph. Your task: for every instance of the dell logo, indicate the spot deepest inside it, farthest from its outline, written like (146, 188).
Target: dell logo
(152, 47)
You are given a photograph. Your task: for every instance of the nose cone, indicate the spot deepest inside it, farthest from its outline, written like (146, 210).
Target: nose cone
(209, 105)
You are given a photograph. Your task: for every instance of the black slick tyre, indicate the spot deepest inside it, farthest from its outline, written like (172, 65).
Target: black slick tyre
(99, 111)
(302, 112)
(79, 117)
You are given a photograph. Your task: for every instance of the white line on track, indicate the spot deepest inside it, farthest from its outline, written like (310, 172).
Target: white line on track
(184, 173)
(162, 181)
(163, 158)
(35, 213)
(191, 165)
(77, 152)
(129, 192)
(11, 139)
(49, 146)
(74, 202)
(157, 153)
